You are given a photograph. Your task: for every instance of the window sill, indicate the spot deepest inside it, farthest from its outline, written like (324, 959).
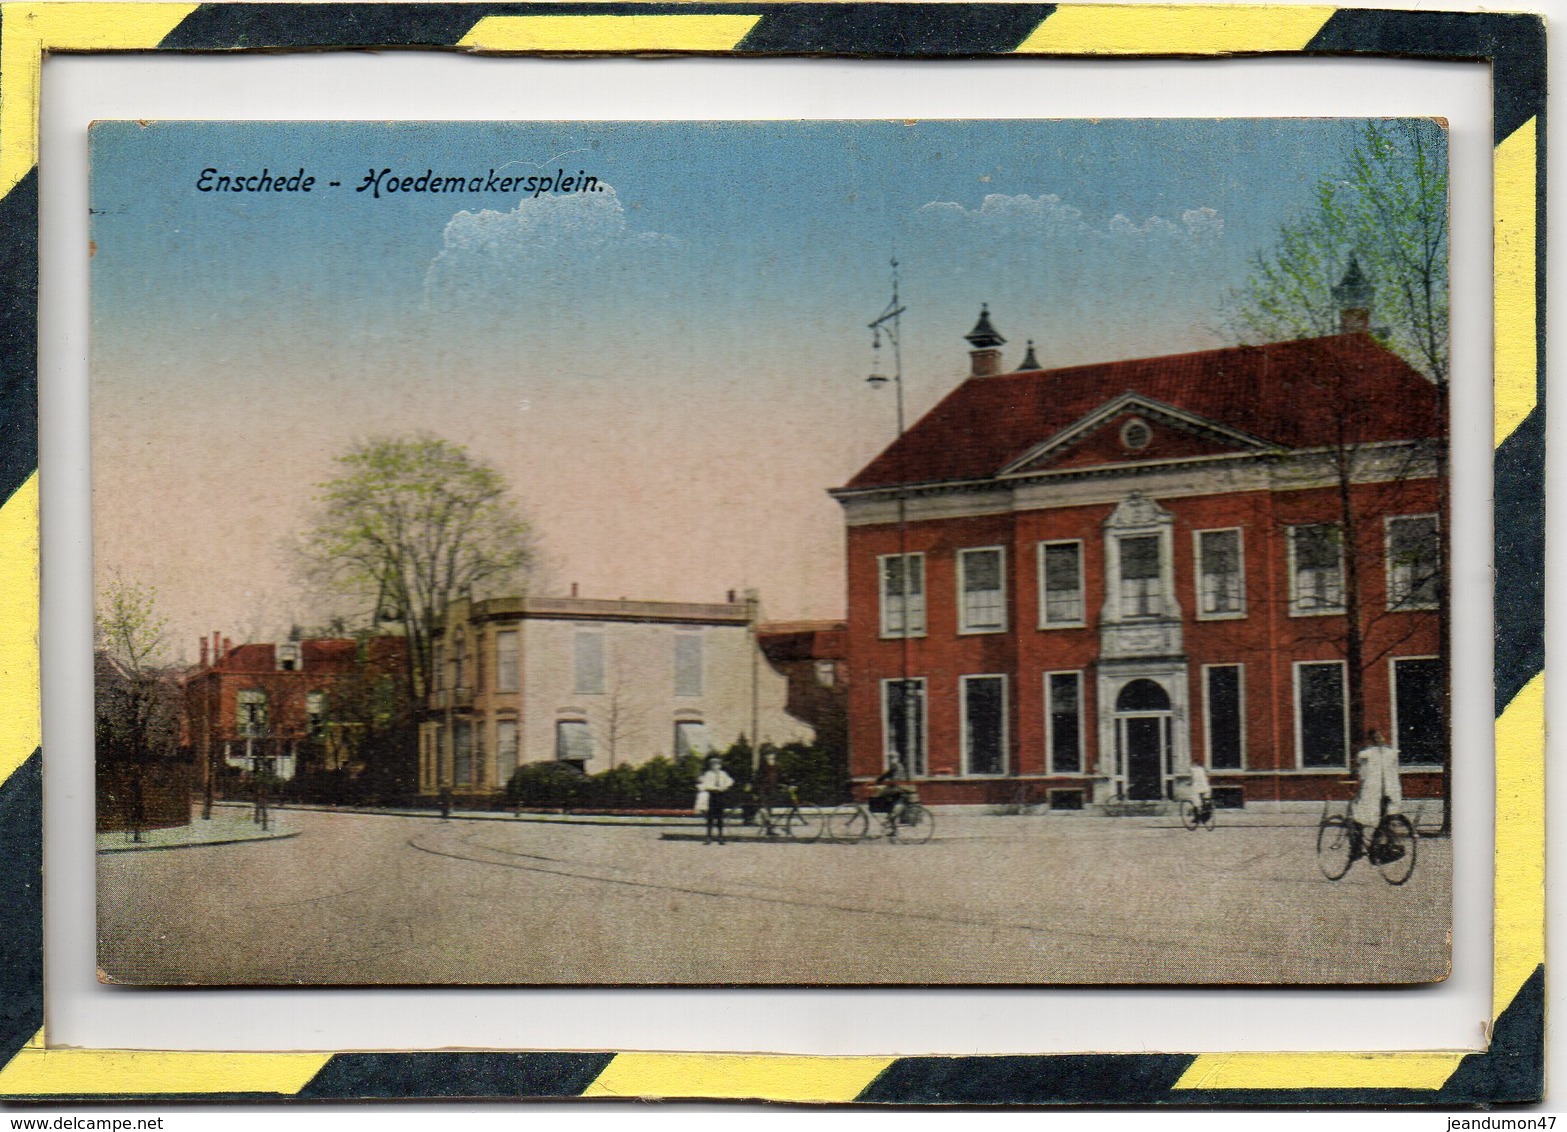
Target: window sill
(1408, 607)
(1047, 627)
(914, 636)
(987, 632)
(1317, 612)
(1238, 616)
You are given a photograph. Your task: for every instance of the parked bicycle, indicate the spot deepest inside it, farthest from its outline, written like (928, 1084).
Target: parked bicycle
(1391, 846)
(789, 818)
(903, 820)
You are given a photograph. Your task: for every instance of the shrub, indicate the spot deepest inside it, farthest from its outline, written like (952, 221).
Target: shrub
(545, 784)
(663, 783)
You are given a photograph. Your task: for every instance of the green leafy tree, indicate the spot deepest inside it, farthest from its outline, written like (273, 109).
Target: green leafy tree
(1375, 236)
(135, 701)
(1386, 209)
(410, 525)
(136, 719)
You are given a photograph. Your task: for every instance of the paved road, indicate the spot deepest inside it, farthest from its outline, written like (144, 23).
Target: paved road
(366, 898)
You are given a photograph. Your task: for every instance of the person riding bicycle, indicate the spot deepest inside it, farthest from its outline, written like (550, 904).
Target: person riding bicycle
(1202, 793)
(1380, 793)
(889, 794)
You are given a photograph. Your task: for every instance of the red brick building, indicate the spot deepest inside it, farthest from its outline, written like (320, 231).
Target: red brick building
(253, 702)
(810, 656)
(1067, 586)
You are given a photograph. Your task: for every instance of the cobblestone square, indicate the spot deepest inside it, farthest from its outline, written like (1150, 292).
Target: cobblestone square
(368, 898)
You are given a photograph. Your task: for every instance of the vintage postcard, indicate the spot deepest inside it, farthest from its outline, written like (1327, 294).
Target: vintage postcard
(802, 553)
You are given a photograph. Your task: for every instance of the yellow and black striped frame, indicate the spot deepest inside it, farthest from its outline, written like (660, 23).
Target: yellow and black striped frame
(1510, 1069)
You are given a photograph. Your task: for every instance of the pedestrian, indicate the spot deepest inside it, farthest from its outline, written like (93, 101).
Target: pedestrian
(711, 791)
(767, 785)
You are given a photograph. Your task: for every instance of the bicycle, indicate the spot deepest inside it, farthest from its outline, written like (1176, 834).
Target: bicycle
(905, 822)
(789, 819)
(1341, 841)
(1193, 815)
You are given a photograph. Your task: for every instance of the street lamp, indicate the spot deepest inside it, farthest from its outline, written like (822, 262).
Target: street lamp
(889, 324)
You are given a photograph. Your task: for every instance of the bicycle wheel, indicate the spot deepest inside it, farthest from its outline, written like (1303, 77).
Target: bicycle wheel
(916, 825)
(802, 826)
(1210, 817)
(1188, 814)
(848, 823)
(1393, 848)
(1335, 847)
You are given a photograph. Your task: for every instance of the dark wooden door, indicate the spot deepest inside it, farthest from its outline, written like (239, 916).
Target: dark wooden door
(1144, 758)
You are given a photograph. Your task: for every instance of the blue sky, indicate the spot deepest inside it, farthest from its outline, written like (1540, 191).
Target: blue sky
(672, 365)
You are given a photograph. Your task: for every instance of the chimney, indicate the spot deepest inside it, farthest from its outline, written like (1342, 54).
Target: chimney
(217, 652)
(1353, 297)
(228, 647)
(573, 589)
(985, 357)
(203, 652)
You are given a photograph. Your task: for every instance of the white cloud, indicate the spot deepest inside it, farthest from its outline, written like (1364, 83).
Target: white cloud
(546, 241)
(1048, 214)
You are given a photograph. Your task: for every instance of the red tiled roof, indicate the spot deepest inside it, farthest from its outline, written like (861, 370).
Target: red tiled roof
(1316, 392)
(317, 655)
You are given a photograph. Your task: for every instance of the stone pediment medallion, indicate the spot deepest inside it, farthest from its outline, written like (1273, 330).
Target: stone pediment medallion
(1137, 510)
(1133, 428)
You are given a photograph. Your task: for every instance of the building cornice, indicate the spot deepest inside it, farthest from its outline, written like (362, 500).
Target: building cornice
(607, 609)
(1273, 471)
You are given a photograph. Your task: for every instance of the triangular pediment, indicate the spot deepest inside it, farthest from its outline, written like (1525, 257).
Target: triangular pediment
(1134, 428)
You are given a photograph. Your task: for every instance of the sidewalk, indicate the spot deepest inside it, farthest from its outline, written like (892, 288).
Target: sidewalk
(229, 825)
(555, 817)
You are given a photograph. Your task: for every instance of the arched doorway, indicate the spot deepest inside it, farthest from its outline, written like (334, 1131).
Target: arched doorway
(1142, 726)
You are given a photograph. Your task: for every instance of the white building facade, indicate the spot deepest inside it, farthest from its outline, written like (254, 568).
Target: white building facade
(595, 684)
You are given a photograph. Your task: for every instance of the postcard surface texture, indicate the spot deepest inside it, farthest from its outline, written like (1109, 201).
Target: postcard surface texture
(803, 553)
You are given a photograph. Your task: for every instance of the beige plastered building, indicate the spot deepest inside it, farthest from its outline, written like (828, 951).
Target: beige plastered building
(594, 683)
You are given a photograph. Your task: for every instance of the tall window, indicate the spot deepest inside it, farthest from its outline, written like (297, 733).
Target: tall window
(902, 595)
(1413, 562)
(691, 738)
(460, 660)
(982, 591)
(462, 755)
(1061, 583)
(984, 724)
(1223, 692)
(251, 713)
(1321, 714)
(1418, 695)
(505, 750)
(573, 741)
(506, 661)
(1317, 569)
(588, 661)
(1140, 583)
(437, 667)
(903, 724)
(688, 664)
(1219, 582)
(1064, 707)
(315, 714)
